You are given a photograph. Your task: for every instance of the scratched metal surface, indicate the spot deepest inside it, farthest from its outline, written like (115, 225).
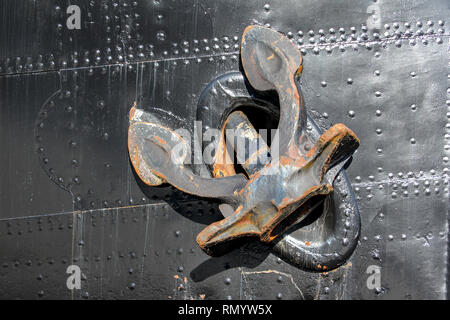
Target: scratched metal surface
(68, 194)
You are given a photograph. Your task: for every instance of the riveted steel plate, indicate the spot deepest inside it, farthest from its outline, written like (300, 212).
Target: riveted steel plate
(35, 254)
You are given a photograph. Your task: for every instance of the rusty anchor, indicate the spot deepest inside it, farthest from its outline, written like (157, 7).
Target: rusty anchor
(282, 183)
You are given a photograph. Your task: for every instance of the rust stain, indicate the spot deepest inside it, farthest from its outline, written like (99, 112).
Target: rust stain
(223, 165)
(286, 161)
(255, 156)
(254, 177)
(160, 140)
(132, 112)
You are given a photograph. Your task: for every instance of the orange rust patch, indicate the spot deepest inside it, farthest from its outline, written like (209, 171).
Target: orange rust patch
(160, 140)
(293, 150)
(300, 162)
(255, 155)
(297, 98)
(311, 152)
(254, 177)
(136, 157)
(338, 129)
(132, 112)
(286, 161)
(220, 170)
(285, 200)
(295, 92)
(223, 166)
